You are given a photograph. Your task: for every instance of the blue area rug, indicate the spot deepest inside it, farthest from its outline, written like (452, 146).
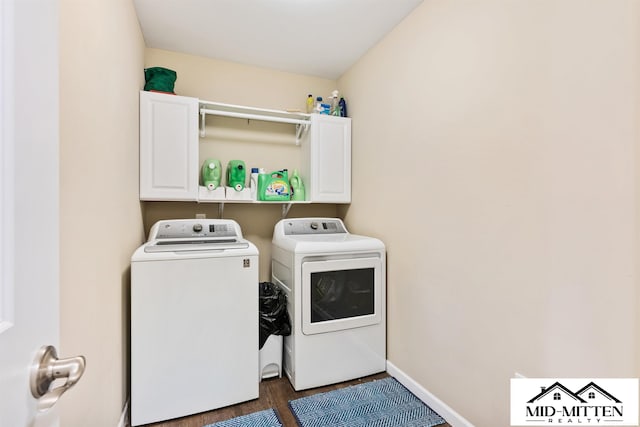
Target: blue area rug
(381, 403)
(266, 418)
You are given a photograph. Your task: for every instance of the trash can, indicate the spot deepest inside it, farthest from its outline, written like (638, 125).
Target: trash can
(274, 324)
(271, 357)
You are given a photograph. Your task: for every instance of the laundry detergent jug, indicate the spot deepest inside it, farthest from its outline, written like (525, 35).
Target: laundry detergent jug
(274, 186)
(211, 173)
(297, 187)
(236, 174)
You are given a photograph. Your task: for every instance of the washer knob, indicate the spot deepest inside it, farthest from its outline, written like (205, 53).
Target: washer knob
(314, 225)
(197, 228)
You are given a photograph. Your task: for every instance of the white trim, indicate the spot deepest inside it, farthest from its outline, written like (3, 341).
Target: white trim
(124, 417)
(7, 157)
(445, 411)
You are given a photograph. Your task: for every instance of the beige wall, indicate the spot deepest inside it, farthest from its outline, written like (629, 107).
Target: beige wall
(498, 143)
(101, 63)
(232, 83)
(258, 144)
(497, 139)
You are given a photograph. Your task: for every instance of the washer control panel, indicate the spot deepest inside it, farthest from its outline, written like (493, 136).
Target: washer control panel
(181, 229)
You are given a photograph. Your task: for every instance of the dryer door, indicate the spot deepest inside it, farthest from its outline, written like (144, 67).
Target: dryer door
(341, 294)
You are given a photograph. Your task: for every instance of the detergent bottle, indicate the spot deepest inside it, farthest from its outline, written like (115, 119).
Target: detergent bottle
(211, 174)
(335, 107)
(236, 174)
(343, 107)
(297, 187)
(253, 183)
(310, 104)
(274, 186)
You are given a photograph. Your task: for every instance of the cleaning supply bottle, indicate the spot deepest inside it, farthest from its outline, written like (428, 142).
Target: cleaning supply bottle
(335, 107)
(211, 174)
(274, 186)
(236, 175)
(343, 107)
(297, 187)
(310, 104)
(253, 182)
(318, 107)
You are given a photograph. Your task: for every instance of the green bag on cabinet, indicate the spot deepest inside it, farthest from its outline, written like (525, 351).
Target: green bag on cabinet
(159, 79)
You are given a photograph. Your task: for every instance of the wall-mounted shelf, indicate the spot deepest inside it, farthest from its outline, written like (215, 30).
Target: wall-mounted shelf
(301, 120)
(286, 205)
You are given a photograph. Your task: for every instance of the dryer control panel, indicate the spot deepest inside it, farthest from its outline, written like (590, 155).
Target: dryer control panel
(301, 226)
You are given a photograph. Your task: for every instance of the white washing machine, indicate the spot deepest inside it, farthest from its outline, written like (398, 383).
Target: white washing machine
(194, 320)
(335, 287)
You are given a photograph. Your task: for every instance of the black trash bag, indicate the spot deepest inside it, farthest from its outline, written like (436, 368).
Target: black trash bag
(274, 319)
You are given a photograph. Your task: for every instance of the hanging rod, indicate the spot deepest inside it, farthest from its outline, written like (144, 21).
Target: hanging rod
(301, 120)
(261, 117)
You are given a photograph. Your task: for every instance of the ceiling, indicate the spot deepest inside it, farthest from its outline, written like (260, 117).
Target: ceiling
(320, 38)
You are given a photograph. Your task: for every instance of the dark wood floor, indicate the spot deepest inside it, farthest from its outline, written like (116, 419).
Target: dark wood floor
(274, 393)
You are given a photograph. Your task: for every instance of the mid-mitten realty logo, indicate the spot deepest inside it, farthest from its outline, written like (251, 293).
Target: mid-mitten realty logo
(574, 401)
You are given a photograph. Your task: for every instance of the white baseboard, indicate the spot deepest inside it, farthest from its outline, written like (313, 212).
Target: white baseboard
(445, 411)
(124, 417)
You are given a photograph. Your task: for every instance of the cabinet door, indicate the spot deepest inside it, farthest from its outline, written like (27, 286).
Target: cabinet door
(168, 147)
(330, 159)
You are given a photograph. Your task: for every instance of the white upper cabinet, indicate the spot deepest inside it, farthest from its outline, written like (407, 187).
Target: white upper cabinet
(168, 147)
(329, 159)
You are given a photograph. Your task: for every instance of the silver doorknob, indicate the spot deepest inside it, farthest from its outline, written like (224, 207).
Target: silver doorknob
(46, 369)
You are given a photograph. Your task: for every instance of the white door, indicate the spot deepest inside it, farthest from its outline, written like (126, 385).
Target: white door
(29, 260)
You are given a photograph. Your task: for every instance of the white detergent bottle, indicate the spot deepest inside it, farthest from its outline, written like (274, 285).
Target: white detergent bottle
(335, 107)
(253, 183)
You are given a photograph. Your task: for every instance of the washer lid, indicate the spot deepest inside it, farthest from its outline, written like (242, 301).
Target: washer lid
(194, 244)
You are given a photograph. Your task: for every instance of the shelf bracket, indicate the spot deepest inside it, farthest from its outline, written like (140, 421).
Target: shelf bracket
(203, 132)
(285, 209)
(300, 129)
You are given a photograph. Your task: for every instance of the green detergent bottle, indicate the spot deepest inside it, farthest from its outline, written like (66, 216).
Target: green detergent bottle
(274, 186)
(211, 173)
(297, 187)
(236, 174)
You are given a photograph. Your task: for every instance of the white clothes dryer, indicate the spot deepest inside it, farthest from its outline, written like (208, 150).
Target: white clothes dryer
(194, 320)
(335, 284)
